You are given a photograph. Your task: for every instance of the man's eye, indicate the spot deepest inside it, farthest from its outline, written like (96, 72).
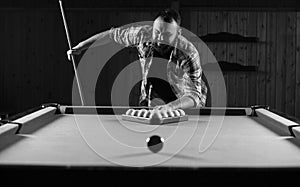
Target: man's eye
(167, 34)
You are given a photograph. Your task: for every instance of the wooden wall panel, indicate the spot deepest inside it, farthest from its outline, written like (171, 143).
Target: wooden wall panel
(194, 22)
(3, 67)
(241, 51)
(45, 69)
(297, 95)
(1, 64)
(216, 23)
(290, 64)
(201, 30)
(232, 91)
(222, 26)
(281, 61)
(251, 59)
(13, 60)
(212, 27)
(29, 28)
(186, 19)
(202, 22)
(271, 59)
(4, 63)
(261, 58)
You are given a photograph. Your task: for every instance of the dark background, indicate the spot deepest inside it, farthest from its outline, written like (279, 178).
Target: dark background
(34, 68)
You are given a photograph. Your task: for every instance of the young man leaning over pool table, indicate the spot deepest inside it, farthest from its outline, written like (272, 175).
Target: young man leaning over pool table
(185, 87)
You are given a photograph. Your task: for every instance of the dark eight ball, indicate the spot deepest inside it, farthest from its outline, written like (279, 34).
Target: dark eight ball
(155, 143)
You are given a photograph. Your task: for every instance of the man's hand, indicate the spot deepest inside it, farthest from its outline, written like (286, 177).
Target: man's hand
(164, 107)
(72, 52)
(164, 110)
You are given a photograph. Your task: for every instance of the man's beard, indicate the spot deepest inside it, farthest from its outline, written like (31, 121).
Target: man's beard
(162, 48)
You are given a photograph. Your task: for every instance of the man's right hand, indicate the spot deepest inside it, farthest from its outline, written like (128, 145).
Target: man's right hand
(72, 52)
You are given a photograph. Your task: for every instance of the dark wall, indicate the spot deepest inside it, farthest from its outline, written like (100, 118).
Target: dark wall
(227, 4)
(34, 68)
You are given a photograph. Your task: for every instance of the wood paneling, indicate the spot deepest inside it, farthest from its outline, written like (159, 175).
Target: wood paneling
(281, 61)
(290, 64)
(261, 59)
(251, 59)
(232, 92)
(271, 60)
(297, 96)
(241, 51)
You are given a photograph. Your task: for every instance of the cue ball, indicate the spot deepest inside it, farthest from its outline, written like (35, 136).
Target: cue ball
(155, 143)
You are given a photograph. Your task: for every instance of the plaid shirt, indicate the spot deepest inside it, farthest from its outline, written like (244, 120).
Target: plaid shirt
(184, 77)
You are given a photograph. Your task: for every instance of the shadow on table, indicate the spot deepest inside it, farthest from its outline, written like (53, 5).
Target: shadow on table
(295, 141)
(278, 131)
(26, 129)
(178, 155)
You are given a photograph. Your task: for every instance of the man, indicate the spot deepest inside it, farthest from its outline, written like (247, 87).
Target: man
(163, 40)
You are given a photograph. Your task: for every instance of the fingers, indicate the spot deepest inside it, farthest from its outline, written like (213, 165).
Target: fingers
(163, 107)
(166, 112)
(69, 53)
(72, 52)
(160, 107)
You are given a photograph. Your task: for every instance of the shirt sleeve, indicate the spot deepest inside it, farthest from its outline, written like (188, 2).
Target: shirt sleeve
(130, 36)
(195, 87)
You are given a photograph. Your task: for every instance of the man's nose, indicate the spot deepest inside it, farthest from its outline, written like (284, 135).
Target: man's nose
(160, 37)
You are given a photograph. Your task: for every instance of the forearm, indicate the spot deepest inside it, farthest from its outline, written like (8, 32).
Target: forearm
(99, 39)
(183, 103)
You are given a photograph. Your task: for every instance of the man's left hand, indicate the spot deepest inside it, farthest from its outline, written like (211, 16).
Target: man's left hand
(164, 109)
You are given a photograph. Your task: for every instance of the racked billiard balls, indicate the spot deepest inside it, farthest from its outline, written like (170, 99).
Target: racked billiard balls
(155, 143)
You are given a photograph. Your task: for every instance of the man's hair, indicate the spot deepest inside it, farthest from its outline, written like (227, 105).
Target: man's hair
(168, 15)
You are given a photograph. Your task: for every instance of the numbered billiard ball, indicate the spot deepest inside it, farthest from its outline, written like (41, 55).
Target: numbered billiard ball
(155, 143)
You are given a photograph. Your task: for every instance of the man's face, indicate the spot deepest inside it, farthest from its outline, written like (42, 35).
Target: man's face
(164, 33)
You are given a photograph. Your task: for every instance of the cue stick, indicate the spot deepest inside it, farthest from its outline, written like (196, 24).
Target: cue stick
(149, 97)
(70, 47)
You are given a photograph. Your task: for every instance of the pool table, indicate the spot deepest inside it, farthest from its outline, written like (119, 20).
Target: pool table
(58, 140)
